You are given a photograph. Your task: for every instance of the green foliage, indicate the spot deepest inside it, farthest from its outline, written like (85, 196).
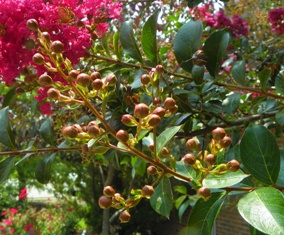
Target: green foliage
(42, 171)
(6, 167)
(239, 72)
(46, 130)
(7, 136)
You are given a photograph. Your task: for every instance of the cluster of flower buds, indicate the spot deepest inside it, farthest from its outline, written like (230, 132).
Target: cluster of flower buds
(116, 200)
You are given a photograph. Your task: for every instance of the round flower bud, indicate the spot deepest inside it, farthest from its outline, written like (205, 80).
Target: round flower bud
(83, 79)
(95, 75)
(97, 84)
(204, 192)
(169, 103)
(165, 151)
(117, 198)
(141, 110)
(218, 133)
(124, 217)
(151, 147)
(233, 165)
(57, 47)
(105, 202)
(159, 111)
(192, 145)
(32, 24)
(72, 75)
(85, 148)
(157, 101)
(210, 159)
(111, 80)
(128, 120)
(69, 132)
(45, 80)
(225, 142)
(109, 191)
(189, 159)
(154, 120)
(46, 36)
(159, 68)
(93, 131)
(147, 191)
(122, 135)
(151, 170)
(38, 59)
(145, 79)
(53, 93)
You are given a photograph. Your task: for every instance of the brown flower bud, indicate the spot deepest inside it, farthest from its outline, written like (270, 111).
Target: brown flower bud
(95, 75)
(151, 170)
(218, 133)
(32, 24)
(53, 93)
(204, 192)
(46, 36)
(159, 111)
(45, 80)
(192, 144)
(57, 47)
(157, 101)
(159, 68)
(83, 79)
(151, 147)
(233, 165)
(141, 110)
(225, 142)
(93, 130)
(165, 151)
(72, 76)
(111, 80)
(97, 84)
(38, 59)
(128, 120)
(189, 159)
(169, 103)
(154, 120)
(210, 159)
(69, 132)
(117, 198)
(105, 202)
(124, 217)
(109, 191)
(147, 191)
(122, 135)
(145, 79)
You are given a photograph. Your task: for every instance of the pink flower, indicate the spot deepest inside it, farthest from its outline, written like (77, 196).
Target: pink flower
(8, 222)
(23, 193)
(276, 19)
(13, 211)
(28, 227)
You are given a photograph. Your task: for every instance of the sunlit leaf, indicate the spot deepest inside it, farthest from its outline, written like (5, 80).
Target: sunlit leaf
(239, 72)
(165, 137)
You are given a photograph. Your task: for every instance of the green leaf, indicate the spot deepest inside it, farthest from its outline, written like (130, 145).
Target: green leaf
(148, 38)
(231, 103)
(215, 48)
(279, 83)
(260, 154)
(115, 39)
(128, 42)
(43, 168)
(5, 168)
(280, 180)
(197, 73)
(254, 231)
(9, 98)
(263, 209)
(7, 136)
(184, 169)
(280, 117)
(187, 42)
(193, 3)
(47, 133)
(183, 208)
(162, 199)
(226, 180)
(165, 137)
(204, 213)
(263, 76)
(239, 72)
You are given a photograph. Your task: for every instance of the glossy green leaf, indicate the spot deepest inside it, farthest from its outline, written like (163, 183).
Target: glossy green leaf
(148, 38)
(162, 199)
(187, 42)
(231, 103)
(239, 72)
(183, 208)
(7, 136)
(9, 98)
(263, 209)
(43, 169)
(6, 167)
(226, 180)
(197, 73)
(204, 213)
(215, 48)
(279, 83)
(46, 131)
(260, 154)
(254, 231)
(128, 42)
(280, 117)
(263, 76)
(280, 179)
(184, 169)
(165, 137)
(116, 49)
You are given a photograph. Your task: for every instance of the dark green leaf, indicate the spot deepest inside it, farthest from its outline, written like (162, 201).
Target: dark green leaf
(280, 180)
(215, 48)
(162, 200)
(226, 180)
(46, 131)
(193, 3)
(116, 46)
(280, 117)
(148, 38)
(43, 168)
(231, 103)
(6, 167)
(183, 208)
(184, 169)
(9, 97)
(197, 73)
(7, 136)
(239, 72)
(187, 42)
(165, 137)
(260, 154)
(279, 83)
(254, 231)
(128, 42)
(263, 209)
(204, 213)
(263, 77)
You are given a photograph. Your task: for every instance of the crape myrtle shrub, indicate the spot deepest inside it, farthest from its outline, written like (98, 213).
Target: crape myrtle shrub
(160, 90)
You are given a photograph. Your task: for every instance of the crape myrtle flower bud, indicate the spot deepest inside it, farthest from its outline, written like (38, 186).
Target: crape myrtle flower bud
(169, 103)
(225, 142)
(147, 191)
(154, 120)
(95, 75)
(124, 217)
(32, 24)
(97, 84)
(83, 79)
(210, 159)
(105, 202)
(38, 59)
(57, 47)
(145, 79)
(128, 120)
(72, 75)
(109, 191)
(141, 110)
(189, 159)
(233, 165)
(122, 135)
(204, 192)
(192, 145)
(152, 170)
(45, 80)
(218, 133)
(53, 93)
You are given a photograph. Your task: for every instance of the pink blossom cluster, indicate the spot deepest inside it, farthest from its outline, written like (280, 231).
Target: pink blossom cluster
(276, 19)
(236, 24)
(65, 20)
